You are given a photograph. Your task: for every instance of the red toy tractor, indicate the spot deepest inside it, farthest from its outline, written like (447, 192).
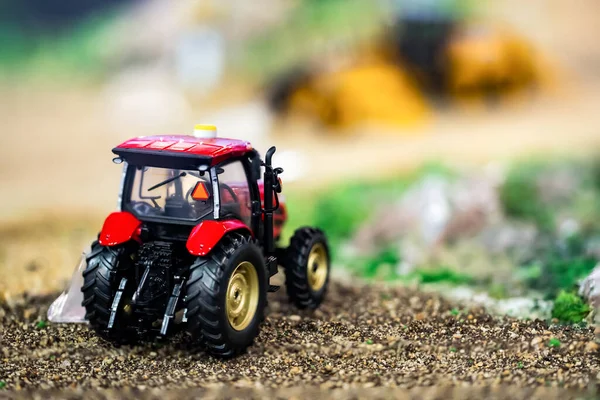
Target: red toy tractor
(194, 245)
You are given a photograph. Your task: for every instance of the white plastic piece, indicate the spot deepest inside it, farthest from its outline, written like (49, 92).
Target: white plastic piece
(67, 307)
(205, 131)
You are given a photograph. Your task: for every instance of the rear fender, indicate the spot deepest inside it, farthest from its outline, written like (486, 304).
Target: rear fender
(119, 227)
(205, 236)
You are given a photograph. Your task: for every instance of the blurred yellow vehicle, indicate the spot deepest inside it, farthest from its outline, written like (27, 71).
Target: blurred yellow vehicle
(484, 61)
(398, 80)
(369, 92)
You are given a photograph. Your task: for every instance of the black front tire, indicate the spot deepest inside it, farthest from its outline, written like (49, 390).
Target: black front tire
(297, 275)
(101, 279)
(206, 293)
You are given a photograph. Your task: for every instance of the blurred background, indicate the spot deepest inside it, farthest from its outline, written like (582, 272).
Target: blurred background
(442, 142)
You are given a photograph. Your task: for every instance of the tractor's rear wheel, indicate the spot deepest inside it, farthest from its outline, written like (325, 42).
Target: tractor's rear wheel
(102, 276)
(307, 267)
(226, 296)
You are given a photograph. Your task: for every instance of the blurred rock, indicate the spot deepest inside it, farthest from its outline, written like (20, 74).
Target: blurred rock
(509, 236)
(520, 307)
(144, 98)
(593, 247)
(200, 59)
(475, 204)
(434, 211)
(422, 213)
(589, 288)
(558, 185)
(568, 227)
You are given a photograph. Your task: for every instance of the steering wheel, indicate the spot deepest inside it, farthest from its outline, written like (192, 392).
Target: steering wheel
(143, 208)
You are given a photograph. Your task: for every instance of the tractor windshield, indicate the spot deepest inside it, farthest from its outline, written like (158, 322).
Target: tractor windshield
(169, 193)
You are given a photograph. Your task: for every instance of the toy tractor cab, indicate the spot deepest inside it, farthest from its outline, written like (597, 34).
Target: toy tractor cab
(194, 244)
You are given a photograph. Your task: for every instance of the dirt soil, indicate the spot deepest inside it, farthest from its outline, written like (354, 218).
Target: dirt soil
(365, 341)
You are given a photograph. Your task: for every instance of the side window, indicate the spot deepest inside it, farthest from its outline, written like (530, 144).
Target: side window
(235, 192)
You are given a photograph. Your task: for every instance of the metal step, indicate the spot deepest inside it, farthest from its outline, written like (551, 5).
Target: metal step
(273, 288)
(115, 303)
(271, 262)
(171, 305)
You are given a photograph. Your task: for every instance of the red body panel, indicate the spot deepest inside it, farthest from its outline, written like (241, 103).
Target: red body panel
(220, 149)
(119, 227)
(207, 234)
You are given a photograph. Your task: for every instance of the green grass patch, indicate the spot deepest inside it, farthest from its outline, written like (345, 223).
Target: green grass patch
(561, 264)
(498, 291)
(79, 52)
(307, 32)
(520, 196)
(570, 308)
(387, 259)
(554, 342)
(564, 274)
(340, 212)
(442, 275)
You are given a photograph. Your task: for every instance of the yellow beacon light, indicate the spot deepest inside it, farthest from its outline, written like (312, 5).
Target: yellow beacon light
(205, 131)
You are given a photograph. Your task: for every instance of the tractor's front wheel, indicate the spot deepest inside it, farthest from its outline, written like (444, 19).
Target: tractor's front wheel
(307, 267)
(226, 296)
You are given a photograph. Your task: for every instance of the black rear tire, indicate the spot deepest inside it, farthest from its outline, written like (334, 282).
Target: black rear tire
(101, 279)
(206, 295)
(302, 290)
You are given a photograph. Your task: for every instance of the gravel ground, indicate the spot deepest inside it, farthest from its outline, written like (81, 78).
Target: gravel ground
(365, 341)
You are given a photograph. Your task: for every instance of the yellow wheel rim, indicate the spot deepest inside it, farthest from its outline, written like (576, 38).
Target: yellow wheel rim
(317, 267)
(242, 296)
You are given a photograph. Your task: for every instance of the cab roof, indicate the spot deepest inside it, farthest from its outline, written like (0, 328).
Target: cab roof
(146, 150)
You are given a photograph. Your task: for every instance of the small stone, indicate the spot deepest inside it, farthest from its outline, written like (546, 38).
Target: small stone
(28, 312)
(536, 340)
(294, 318)
(295, 370)
(591, 347)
